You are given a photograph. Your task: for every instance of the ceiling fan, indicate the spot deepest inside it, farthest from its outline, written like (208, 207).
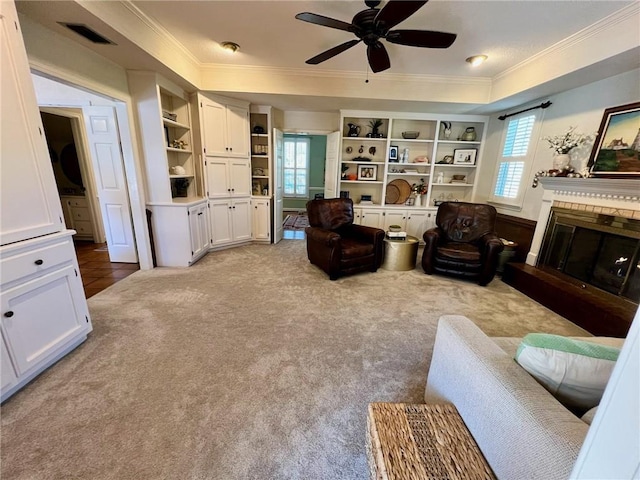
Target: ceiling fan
(373, 24)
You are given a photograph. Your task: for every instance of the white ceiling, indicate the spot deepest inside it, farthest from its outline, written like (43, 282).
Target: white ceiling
(509, 32)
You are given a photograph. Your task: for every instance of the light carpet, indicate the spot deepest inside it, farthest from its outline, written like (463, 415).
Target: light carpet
(232, 369)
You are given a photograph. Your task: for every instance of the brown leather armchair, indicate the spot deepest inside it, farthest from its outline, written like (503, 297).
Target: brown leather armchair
(336, 244)
(463, 243)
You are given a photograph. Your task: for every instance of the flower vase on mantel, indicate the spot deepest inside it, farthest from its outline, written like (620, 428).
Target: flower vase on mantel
(561, 161)
(418, 201)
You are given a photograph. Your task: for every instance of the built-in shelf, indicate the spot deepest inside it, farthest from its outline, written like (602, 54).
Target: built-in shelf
(365, 182)
(451, 165)
(362, 162)
(171, 123)
(259, 155)
(264, 135)
(365, 139)
(180, 176)
(411, 140)
(465, 142)
(178, 150)
(452, 185)
(260, 176)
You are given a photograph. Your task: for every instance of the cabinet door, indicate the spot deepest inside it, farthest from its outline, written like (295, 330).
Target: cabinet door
(394, 217)
(7, 373)
(220, 220)
(203, 219)
(371, 218)
(214, 123)
(197, 223)
(416, 223)
(218, 182)
(237, 131)
(27, 178)
(241, 219)
(261, 225)
(42, 316)
(240, 177)
(357, 216)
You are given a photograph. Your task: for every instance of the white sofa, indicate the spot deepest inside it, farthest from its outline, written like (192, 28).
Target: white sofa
(522, 430)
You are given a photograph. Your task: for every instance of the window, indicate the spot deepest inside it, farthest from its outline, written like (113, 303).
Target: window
(296, 166)
(515, 160)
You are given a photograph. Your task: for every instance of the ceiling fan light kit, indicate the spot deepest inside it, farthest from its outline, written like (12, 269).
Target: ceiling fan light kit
(476, 60)
(374, 24)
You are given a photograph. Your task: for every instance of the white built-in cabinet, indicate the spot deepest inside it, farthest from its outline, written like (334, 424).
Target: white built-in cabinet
(261, 219)
(43, 312)
(77, 215)
(225, 145)
(175, 190)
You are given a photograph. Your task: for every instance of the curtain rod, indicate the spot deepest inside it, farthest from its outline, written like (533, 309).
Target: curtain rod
(542, 105)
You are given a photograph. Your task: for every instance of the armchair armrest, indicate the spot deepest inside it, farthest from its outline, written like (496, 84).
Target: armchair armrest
(322, 236)
(491, 246)
(371, 235)
(432, 238)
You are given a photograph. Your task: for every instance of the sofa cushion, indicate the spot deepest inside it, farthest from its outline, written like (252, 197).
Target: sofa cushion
(576, 372)
(588, 417)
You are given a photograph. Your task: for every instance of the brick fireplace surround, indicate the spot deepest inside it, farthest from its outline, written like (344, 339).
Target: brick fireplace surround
(598, 312)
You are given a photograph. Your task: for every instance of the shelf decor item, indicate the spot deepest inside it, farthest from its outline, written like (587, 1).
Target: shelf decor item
(616, 151)
(354, 130)
(393, 153)
(410, 135)
(367, 172)
(446, 130)
(375, 125)
(562, 146)
(469, 135)
(464, 156)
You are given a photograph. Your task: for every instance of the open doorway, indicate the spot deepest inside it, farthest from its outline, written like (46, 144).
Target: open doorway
(76, 183)
(304, 178)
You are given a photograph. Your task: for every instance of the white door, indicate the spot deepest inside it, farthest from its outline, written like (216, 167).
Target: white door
(394, 218)
(108, 169)
(278, 184)
(417, 224)
(213, 128)
(238, 131)
(261, 229)
(371, 218)
(217, 171)
(197, 223)
(331, 166)
(239, 177)
(220, 220)
(241, 219)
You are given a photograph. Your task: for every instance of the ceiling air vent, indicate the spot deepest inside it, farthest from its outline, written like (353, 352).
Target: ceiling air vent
(87, 33)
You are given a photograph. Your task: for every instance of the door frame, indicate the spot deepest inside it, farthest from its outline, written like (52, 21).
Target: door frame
(86, 168)
(124, 116)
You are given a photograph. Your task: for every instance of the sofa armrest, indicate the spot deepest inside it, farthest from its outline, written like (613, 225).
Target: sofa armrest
(521, 429)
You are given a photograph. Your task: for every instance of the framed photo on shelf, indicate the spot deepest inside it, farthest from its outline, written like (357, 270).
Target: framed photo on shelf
(464, 156)
(616, 150)
(393, 153)
(367, 172)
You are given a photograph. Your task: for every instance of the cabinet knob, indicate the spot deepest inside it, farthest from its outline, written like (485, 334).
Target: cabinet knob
(233, 189)
(39, 261)
(8, 314)
(229, 207)
(226, 148)
(228, 189)
(199, 213)
(234, 206)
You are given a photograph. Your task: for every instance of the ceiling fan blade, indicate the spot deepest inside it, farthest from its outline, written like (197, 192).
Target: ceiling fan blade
(421, 38)
(378, 57)
(325, 21)
(332, 52)
(396, 11)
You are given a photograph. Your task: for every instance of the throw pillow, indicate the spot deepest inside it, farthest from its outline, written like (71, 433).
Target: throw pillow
(575, 372)
(588, 417)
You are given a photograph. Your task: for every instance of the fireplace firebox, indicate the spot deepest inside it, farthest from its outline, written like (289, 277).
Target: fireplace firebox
(599, 250)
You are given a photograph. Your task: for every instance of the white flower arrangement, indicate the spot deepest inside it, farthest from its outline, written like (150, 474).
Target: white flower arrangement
(563, 144)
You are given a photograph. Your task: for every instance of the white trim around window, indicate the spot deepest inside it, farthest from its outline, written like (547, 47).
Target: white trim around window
(297, 154)
(517, 151)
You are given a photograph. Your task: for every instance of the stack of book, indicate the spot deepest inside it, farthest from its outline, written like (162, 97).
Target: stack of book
(397, 235)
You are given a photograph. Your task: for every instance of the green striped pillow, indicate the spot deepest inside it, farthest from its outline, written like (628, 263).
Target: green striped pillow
(576, 372)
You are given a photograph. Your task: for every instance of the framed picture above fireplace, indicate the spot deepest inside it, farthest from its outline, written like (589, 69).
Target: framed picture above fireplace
(616, 151)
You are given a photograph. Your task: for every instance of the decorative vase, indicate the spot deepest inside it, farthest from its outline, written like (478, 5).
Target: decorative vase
(418, 201)
(561, 161)
(469, 135)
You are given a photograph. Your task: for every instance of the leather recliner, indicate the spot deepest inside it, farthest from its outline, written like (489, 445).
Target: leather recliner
(463, 243)
(336, 244)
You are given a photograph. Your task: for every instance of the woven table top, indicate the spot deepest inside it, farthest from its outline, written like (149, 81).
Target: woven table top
(422, 441)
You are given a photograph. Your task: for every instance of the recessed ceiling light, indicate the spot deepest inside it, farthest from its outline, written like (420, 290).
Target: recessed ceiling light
(230, 47)
(476, 60)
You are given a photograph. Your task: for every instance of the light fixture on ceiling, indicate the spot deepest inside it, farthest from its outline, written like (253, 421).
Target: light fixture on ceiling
(476, 60)
(230, 47)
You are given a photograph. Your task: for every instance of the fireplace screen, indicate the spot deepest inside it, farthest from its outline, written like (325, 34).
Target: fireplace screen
(599, 250)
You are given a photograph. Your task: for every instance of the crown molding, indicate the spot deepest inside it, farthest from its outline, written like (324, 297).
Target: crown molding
(598, 28)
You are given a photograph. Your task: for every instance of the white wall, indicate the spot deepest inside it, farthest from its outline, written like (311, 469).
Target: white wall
(580, 107)
(311, 122)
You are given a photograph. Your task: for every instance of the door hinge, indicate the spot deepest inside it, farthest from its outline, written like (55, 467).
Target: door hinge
(205, 162)
(86, 318)
(60, 219)
(40, 130)
(191, 252)
(207, 193)
(200, 104)
(205, 152)
(188, 213)
(16, 24)
(121, 150)
(75, 271)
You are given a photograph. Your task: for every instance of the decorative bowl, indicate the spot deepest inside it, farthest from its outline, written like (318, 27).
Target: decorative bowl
(410, 135)
(395, 228)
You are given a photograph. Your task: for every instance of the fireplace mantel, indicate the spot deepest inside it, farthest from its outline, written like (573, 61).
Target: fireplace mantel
(593, 194)
(615, 189)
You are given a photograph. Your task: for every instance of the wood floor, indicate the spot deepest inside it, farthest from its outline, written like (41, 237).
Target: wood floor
(96, 270)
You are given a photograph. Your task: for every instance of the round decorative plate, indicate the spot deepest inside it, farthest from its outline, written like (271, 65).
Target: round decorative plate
(392, 195)
(404, 188)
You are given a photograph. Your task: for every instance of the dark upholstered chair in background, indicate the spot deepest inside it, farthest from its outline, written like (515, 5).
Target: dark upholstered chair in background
(463, 243)
(338, 246)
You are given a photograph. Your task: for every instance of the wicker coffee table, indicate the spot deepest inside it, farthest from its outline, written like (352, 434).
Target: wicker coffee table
(417, 442)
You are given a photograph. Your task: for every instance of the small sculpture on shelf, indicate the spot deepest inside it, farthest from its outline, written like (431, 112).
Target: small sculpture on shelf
(179, 144)
(446, 130)
(375, 124)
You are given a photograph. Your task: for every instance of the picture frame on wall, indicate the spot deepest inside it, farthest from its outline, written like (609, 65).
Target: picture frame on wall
(616, 150)
(367, 172)
(393, 153)
(464, 156)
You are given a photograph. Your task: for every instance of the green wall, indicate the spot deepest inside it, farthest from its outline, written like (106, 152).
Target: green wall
(317, 159)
